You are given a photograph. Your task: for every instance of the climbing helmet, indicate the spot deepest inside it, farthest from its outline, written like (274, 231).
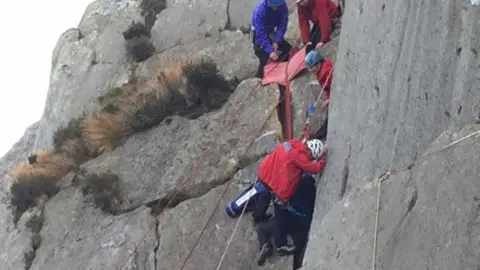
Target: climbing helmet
(316, 148)
(312, 58)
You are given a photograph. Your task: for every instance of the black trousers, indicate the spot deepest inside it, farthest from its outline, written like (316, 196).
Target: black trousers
(321, 133)
(263, 56)
(297, 227)
(259, 217)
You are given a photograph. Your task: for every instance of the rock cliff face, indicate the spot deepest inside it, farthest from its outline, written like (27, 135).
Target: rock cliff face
(406, 71)
(405, 83)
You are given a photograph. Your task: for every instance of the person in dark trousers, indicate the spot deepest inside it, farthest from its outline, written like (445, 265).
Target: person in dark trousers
(323, 14)
(280, 172)
(322, 68)
(298, 213)
(269, 18)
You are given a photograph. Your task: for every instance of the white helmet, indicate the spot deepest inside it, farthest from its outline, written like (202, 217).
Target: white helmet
(316, 147)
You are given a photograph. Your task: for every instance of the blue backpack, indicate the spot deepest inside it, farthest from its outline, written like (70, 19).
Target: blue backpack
(235, 207)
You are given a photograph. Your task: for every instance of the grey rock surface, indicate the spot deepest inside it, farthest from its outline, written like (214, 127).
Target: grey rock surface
(405, 72)
(190, 156)
(19, 153)
(75, 235)
(184, 21)
(429, 216)
(231, 50)
(240, 12)
(87, 62)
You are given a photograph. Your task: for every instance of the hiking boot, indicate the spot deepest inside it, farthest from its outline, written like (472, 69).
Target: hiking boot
(266, 252)
(285, 250)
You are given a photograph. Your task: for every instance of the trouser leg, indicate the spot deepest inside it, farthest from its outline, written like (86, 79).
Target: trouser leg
(261, 207)
(285, 48)
(262, 60)
(321, 133)
(280, 232)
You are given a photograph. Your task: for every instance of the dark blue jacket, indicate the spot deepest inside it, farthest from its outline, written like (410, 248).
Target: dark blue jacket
(264, 21)
(303, 199)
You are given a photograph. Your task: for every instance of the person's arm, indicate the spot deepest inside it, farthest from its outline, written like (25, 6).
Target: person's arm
(310, 166)
(304, 25)
(282, 28)
(262, 37)
(328, 74)
(324, 20)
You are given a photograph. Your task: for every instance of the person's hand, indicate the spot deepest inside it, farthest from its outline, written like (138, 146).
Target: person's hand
(319, 45)
(274, 56)
(275, 46)
(325, 103)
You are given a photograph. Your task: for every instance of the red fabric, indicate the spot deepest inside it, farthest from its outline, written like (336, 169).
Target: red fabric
(275, 71)
(281, 170)
(324, 77)
(321, 13)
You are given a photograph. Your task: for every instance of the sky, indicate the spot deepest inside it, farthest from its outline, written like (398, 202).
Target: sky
(28, 38)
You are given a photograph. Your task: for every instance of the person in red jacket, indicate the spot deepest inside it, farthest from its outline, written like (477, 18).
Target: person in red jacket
(280, 171)
(323, 14)
(323, 70)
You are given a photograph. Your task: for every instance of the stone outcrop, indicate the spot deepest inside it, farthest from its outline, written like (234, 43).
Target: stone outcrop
(19, 153)
(429, 215)
(86, 238)
(190, 155)
(405, 72)
(191, 20)
(86, 63)
(231, 50)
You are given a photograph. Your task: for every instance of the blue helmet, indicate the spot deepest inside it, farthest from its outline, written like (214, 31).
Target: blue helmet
(312, 58)
(275, 3)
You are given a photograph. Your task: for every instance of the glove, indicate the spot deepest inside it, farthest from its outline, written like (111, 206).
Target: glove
(310, 110)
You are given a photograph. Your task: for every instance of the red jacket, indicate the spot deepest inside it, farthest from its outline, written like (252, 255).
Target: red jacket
(321, 13)
(282, 169)
(324, 77)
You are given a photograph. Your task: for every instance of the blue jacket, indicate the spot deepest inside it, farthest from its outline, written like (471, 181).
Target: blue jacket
(264, 21)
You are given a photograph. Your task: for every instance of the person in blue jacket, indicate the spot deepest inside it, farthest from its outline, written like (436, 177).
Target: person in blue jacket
(299, 216)
(270, 17)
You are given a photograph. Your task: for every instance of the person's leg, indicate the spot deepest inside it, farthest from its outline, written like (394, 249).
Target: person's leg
(314, 35)
(285, 48)
(300, 241)
(263, 201)
(262, 60)
(321, 133)
(281, 244)
(265, 232)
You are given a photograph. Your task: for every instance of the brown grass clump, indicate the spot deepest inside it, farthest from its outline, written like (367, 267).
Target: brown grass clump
(47, 164)
(38, 177)
(104, 131)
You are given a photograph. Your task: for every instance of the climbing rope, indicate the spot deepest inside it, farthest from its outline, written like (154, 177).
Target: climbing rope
(287, 93)
(226, 188)
(305, 134)
(386, 175)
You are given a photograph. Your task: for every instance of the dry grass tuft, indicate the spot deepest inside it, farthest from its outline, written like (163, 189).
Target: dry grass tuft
(104, 131)
(47, 164)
